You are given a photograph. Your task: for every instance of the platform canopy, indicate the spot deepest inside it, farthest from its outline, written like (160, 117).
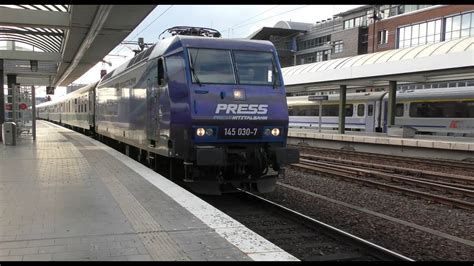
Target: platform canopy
(442, 61)
(67, 40)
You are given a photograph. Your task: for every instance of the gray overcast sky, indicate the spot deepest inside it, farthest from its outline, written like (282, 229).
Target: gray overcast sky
(234, 21)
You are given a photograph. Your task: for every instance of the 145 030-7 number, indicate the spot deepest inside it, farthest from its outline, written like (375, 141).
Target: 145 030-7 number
(240, 131)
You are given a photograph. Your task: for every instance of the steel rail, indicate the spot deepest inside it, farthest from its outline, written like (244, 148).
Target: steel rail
(401, 178)
(451, 177)
(344, 174)
(378, 251)
(438, 162)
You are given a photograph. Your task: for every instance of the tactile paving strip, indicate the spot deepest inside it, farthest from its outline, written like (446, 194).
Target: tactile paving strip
(159, 244)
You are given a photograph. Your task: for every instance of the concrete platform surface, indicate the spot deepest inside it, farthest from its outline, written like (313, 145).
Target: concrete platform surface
(69, 197)
(422, 141)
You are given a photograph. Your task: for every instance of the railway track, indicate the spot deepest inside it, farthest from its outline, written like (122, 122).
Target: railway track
(459, 166)
(456, 190)
(300, 235)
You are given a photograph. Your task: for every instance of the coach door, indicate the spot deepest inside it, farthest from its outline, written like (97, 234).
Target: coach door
(90, 108)
(370, 121)
(153, 93)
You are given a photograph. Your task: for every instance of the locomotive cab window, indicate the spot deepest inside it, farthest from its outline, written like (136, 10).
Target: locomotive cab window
(216, 66)
(211, 66)
(256, 68)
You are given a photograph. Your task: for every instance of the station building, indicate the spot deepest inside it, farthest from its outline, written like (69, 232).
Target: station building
(369, 29)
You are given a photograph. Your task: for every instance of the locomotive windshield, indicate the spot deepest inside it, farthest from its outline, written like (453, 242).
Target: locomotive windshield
(215, 66)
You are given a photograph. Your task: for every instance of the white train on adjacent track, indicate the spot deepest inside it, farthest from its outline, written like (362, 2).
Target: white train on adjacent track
(447, 112)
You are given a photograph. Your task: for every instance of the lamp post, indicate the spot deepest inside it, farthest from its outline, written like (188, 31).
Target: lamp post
(375, 17)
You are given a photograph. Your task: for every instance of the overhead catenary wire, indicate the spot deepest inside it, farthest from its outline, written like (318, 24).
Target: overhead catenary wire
(270, 17)
(149, 24)
(254, 16)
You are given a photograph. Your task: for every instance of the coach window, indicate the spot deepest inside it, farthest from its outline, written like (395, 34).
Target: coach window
(370, 110)
(443, 109)
(301, 111)
(399, 109)
(349, 110)
(333, 110)
(314, 111)
(360, 110)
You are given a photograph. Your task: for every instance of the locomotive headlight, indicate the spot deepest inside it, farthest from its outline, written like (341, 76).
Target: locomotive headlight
(209, 132)
(200, 132)
(275, 132)
(239, 94)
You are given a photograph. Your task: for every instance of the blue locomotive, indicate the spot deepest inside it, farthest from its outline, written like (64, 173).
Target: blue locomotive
(209, 110)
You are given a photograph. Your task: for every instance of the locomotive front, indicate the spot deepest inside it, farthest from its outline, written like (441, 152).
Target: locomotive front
(238, 116)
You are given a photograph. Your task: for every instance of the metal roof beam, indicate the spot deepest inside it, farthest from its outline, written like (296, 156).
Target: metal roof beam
(60, 34)
(34, 18)
(27, 55)
(99, 20)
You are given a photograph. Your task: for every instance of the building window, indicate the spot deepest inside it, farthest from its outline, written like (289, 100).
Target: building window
(355, 22)
(402, 9)
(383, 37)
(319, 56)
(459, 26)
(316, 42)
(338, 47)
(419, 34)
(322, 55)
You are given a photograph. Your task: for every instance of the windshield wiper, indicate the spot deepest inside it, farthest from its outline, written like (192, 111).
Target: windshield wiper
(192, 69)
(275, 72)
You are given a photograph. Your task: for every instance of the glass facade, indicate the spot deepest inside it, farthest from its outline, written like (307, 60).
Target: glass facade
(316, 42)
(455, 27)
(418, 34)
(459, 26)
(355, 22)
(394, 10)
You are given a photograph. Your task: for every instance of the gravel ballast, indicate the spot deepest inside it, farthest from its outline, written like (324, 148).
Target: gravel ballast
(418, 244)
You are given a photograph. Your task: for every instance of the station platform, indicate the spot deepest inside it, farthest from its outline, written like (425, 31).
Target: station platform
(443, 147)
(69, 197)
